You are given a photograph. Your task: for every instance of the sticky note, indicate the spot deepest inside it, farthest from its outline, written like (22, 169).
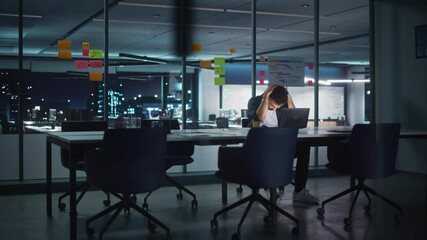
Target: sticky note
(219, 61)
(205, 64)
(64, 44)
(85, 52)
(80, 64)
(219, 70)
(95, 76)
(95, 53)
(196, 47)
(64, 53)
(219, 81)
(95, 64)
(261, 81)
(262, 58)
(232, 50)
(310, 66)
(261, 73)
(85, 45)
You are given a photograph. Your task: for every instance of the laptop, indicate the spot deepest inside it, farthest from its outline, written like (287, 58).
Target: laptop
(294, 117)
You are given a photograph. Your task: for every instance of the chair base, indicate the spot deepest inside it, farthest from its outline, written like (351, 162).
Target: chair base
(83, 187)
(254, 197)
(360, 187)
(194, 202)
(125, 203)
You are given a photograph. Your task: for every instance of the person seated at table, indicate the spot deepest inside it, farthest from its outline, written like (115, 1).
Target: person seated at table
(264, 111)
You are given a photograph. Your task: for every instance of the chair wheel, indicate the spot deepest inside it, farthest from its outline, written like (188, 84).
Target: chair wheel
(145, 206)
(295, 231)
(106, 202)
(90, 231)
(194, 204)
(347, 222)
(239, 190)
(268, 219)
(152, 227)
(179, 196)
(133, 198)
(235, 236)
(321, 211)
(62, 206)
(367, 208)
(214, 224)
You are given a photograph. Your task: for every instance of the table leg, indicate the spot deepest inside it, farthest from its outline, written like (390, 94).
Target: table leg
(224, 192)
(49, 178)
(73, 204)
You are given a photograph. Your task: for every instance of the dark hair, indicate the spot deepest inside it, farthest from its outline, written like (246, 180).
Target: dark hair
(279, 95)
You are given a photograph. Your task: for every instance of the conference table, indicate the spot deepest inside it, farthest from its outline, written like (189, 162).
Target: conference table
(316, 136)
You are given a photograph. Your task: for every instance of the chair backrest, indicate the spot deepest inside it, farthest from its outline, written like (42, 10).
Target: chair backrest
(373, 150)
(75, 126)
(131, 161)
(211, 117)
(221, 122)
(269, 156)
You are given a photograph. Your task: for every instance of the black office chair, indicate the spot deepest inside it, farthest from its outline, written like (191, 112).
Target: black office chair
(221, 122)
(130, 161)
(369, 153)
(211, 117)
(178, 154)
(78, 155)
(264, 161)
(7, 127)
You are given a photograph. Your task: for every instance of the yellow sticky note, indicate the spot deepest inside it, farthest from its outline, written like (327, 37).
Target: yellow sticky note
(205, 64)
(64, 53)
(219, 61)
(196, 47)
(232, 50)
(95, 76)
(64, 44)
(219, 81)
(95, 53)
(219, 70)
(85, 45)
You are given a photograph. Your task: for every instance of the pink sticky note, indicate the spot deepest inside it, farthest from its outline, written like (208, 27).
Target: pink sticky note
(80, 64)
(95, 63)
(85, 52)
(261, 82)
(262, 73)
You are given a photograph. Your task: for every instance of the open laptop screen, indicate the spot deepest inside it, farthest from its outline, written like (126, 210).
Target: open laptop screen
(294, 117)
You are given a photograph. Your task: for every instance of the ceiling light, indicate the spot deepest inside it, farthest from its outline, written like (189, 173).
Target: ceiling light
(305, 5)
(211, 32)
(156, 15)
(332, 26)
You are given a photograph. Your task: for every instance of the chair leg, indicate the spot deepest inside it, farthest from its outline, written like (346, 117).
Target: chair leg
(194, 203)
(150, 217)
(272, 206)
(234, 205)
(107, 225)
(373, 192)
(242, 219)
(348, 221)
(354, 188)
(89, 230)
(84, 187)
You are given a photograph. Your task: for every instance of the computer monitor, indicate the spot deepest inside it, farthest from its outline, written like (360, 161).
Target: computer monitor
(294, 117)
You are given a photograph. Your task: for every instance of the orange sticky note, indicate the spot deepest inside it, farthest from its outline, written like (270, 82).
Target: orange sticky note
(232, 50)
(64, 44)
(205, 64)
(85, 45)
(80, 64)
(262, 58)
(95, 64)
(95, 76)
(196, 47)
(64, 53)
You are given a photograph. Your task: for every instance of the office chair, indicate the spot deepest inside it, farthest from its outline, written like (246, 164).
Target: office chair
(369, 153)
(221, 122)
(130, 161)
(78, 155)
(264, 161)
(7, 128)
(211, 117)
(178, 154)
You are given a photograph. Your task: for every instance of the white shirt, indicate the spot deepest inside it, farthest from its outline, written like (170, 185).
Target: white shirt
(270, 119)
